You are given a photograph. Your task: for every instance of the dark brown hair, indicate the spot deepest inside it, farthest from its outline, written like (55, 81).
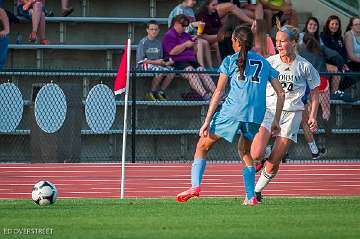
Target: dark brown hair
(245, 37)
(316, 34)
(227, 29)
(181, 18)
(311, 43)
(351, 22)
(327, 23)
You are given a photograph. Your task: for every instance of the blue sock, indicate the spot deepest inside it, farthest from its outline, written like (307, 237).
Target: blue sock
(197, 171)
(249, 181)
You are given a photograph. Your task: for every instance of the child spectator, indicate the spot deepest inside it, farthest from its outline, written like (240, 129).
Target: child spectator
(207, 13)
(3, 35)
(352, 43)
(33, 10)
(225, 34)
(179, 45)
(149, 55)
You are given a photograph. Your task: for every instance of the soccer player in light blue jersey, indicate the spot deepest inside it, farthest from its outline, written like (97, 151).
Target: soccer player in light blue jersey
(247, 74)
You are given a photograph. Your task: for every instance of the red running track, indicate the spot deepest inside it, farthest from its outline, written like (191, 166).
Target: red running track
(166, 180)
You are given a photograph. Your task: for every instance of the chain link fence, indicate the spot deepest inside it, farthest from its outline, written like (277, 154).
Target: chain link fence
(73, 116)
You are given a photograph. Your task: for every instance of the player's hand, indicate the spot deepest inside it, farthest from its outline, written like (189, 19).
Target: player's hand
(312, 124)
(204, 130)
(275, 128)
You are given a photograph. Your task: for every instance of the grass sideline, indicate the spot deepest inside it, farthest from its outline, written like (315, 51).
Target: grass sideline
(323, 217)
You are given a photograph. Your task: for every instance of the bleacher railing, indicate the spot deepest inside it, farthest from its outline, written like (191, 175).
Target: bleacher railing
(88, 126)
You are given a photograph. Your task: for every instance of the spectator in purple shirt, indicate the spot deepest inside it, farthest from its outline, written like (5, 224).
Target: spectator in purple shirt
(179, 46)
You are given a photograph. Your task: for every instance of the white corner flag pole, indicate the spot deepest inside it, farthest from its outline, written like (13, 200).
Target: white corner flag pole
(125, 117)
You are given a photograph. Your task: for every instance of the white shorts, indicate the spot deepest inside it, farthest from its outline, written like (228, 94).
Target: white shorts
(289, 123)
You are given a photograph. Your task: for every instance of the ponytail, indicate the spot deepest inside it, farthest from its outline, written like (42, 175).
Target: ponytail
(245, 37)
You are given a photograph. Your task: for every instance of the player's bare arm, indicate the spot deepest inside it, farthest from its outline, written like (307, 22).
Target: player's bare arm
(214, 102)
(275, 83)
(314, 99)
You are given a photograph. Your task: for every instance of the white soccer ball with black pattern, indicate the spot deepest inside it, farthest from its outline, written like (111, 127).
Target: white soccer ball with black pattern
(44, 193)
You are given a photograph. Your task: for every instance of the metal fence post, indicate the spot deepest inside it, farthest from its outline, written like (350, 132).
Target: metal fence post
(133, 116)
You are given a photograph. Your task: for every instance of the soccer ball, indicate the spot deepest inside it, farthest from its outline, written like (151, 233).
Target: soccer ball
(44, 193)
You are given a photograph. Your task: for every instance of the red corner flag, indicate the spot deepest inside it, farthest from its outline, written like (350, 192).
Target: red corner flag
(120, 81)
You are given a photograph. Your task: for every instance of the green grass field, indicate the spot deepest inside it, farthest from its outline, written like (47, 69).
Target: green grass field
(199, 218)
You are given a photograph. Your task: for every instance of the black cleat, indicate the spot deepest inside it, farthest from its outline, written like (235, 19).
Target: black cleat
(258, 197)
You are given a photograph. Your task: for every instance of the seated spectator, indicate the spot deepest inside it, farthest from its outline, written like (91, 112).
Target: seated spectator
(256, 11)
(207, 13)
(202, 48)
(352, 43)
(281, 9)
(331, 36)
(179, 46)
(226, 7)
(65, 9)
(149, 56)
(263, 45)
(3, 35)
(33, 10)
(311, 26)
(225, 35)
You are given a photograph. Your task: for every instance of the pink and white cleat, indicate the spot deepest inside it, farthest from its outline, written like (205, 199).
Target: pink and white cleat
(252, 202)
(186, 195)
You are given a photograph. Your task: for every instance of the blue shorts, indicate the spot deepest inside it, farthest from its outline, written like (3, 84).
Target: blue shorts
(228, 128)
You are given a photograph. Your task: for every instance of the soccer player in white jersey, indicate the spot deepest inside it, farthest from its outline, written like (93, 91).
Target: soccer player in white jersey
(295, 73)
(248, 75)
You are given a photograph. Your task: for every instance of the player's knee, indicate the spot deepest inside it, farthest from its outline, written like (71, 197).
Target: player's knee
(203, 146)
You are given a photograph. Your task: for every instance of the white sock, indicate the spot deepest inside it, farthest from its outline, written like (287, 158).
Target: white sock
(313, 148)
(264, 180)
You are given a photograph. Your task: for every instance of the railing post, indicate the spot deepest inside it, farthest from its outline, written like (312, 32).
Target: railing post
(133, 116)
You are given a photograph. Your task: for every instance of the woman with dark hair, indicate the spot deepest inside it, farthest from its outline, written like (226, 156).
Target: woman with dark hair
(352, 43)
(332, 36)
(247, 73)
(311, 26)
(318, 56)
(208, 14)
(225, 35)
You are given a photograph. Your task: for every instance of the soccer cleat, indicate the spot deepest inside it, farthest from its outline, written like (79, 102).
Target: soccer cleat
(150, 96)
(186, 195)
(252, 202)
(322, 152)
(258, 197)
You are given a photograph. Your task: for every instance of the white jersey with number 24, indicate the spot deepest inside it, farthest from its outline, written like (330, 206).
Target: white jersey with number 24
(293, 77)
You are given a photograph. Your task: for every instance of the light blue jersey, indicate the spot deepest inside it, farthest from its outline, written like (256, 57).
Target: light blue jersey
(246, 99)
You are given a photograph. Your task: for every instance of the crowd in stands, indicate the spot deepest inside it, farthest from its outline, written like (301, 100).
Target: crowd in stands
(195, 39)
(199, 39)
